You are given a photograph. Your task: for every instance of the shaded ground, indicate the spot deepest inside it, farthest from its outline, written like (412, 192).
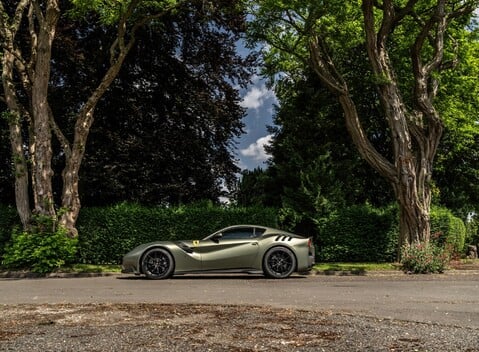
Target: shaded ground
(173, 327)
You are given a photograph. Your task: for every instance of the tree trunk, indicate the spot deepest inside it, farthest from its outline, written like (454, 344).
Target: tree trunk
(74, 156)
(16, 141)
(8, 31)
(414, 208)
(42, 171)
(22, 199)
(411, 188)
(119, 49)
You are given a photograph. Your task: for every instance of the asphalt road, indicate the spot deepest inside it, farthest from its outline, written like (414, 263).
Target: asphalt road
(444, 299)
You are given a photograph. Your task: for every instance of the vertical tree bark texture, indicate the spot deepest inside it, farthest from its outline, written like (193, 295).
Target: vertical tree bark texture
(16, 141)
(42, 172)
(8, 31)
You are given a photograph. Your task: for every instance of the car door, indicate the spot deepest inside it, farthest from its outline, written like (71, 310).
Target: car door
(235, 248)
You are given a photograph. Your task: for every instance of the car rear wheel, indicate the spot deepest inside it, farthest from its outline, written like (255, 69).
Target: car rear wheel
(157, 263)
(279, 263)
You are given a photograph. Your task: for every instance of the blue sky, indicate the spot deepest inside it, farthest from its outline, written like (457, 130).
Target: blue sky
(259, 103)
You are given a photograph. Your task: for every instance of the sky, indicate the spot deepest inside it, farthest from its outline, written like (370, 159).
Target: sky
(259, 103)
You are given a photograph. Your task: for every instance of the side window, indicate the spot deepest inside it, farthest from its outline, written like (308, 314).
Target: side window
(258, 232)
(239, 233)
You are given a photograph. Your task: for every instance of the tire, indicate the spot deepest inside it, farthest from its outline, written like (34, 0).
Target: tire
(279, 263)
(157, 264)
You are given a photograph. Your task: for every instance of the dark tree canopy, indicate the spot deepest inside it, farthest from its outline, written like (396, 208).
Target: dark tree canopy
(163, 133)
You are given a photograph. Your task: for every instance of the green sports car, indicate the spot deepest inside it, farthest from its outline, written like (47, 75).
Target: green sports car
(240, 248)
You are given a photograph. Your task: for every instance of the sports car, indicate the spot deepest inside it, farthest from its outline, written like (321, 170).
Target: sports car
(241, 248)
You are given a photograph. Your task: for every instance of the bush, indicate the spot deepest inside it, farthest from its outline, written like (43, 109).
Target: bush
(107, 233)
(359, 233)
(447, 230)
(424, 258)
(40, 250)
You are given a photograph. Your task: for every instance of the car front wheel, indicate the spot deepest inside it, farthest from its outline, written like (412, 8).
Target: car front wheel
(157, 263)
(279, 263)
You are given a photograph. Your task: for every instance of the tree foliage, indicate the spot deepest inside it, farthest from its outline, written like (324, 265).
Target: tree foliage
(313, 154)
(28, 34)
(408, 46)
(163, 132)
(310, 130)
(457, 171)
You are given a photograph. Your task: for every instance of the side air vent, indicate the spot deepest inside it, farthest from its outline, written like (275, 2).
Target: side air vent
(281, 238)
(184, 247)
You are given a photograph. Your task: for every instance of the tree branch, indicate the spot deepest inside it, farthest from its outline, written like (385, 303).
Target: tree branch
(16, 20)
(34, 40)
(324, 67)
(403, 12)
(118, 52)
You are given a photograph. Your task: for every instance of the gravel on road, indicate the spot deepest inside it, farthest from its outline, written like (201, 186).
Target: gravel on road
(181, 327)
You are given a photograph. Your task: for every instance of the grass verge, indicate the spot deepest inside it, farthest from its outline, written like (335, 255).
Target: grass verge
(356, 267)
(91, 268)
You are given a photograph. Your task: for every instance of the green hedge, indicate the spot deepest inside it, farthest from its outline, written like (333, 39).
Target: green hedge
(448, 230)
(8, 220)
(359, 233)
(363, 233)
(355, 234)
(107, 233)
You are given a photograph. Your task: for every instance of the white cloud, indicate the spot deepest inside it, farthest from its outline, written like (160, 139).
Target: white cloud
(256, 97)
(256, 150)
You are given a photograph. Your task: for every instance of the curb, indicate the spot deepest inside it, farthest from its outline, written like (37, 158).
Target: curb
(30, 275)
(449, 272)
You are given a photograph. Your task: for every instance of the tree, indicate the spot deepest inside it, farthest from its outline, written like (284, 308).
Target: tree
(27, 32)
(163, 131)
(258, 187)
(32, 68)
(321, 35)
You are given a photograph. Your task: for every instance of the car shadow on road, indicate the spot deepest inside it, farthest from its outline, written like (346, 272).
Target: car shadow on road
(213, 277)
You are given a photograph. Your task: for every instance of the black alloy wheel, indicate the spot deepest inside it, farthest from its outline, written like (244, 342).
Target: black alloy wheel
(279, 263)
(157, 263)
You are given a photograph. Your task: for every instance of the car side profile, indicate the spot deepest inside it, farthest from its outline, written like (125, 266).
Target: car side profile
(239, 248)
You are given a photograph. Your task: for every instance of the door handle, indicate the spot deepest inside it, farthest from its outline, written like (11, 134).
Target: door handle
(254, 243)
